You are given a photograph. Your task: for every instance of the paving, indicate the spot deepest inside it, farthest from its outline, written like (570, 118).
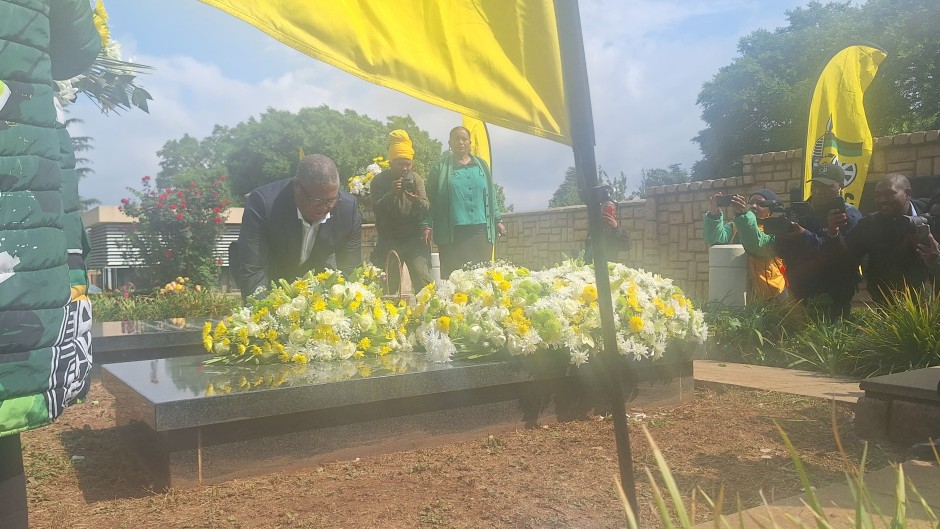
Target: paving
(836, 500)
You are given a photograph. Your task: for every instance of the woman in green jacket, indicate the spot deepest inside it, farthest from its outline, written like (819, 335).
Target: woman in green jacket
(464, 215)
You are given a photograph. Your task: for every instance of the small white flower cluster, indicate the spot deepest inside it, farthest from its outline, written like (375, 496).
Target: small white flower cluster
(500, 307)
(360, 185)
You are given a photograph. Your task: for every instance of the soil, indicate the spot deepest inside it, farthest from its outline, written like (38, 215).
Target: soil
(559, 475)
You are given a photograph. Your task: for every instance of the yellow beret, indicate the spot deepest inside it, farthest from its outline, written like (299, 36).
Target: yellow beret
(399, 145)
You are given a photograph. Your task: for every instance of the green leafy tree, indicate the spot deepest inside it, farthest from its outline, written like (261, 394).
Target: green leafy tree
(672, 174)
(568, 194)
(265, 149)
(177, 229)
(759, 103)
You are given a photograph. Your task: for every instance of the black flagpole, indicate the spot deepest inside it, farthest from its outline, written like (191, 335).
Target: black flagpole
(574, 69)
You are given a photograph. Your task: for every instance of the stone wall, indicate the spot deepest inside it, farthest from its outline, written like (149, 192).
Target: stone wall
(666, 228)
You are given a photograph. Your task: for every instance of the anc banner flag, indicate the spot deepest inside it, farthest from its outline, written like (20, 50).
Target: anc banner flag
(838, 130)
(496, 60)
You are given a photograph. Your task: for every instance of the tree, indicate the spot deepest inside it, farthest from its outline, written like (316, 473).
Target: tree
(672, 174)
(759, 103)
(82, 144)
(177, 229)
(568, 193)
(264, 149)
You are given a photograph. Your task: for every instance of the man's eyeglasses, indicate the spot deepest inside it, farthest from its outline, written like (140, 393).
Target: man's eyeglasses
(316, 201)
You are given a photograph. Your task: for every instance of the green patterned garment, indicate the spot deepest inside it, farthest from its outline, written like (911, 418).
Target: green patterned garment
(45, 342)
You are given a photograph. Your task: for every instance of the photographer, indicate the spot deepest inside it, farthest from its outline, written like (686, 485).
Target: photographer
(764, 268)
(400, 203)
(828, 279)
(889, 238)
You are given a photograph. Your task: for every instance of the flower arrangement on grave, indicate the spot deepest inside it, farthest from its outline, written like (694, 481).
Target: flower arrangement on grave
(322, 316)
(498, 307)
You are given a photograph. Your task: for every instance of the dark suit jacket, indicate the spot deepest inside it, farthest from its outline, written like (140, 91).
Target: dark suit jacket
(271, 236)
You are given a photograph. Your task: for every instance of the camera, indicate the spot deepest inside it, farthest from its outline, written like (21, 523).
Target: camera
(798, 212)
(922, 226)
(408, 184)
(723, 200)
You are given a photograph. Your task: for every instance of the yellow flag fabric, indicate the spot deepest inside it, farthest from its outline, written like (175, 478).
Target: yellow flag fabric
(495, 60)
(838, 128)
(479, 140)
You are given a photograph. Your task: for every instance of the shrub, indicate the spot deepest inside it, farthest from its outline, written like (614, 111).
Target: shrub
(175, 300)
(177, 229)
(901, 335)
(751, 334)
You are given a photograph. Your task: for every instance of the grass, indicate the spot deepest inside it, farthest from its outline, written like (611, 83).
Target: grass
(674, 512)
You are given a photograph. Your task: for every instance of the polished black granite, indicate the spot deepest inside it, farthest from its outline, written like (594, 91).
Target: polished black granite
(122, 341)
(192, 423)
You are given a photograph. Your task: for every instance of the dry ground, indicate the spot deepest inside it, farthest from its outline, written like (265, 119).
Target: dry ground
(555, 476)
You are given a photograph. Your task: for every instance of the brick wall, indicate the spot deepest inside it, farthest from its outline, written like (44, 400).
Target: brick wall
(666, 228)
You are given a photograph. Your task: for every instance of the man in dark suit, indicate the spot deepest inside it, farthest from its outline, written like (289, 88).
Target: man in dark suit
(295, 225)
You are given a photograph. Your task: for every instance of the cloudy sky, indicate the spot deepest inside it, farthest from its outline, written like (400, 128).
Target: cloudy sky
(647, 60)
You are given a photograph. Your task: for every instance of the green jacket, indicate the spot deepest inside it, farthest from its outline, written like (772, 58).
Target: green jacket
(44, 349)
(439, 216)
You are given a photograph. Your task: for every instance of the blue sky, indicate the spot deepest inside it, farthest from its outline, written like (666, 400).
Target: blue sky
(646, 60)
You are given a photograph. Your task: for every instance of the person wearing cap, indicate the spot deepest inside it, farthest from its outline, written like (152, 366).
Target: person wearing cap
(765, 269)
(464, 219)
(888, 239)
(400, 204)
(826, 279)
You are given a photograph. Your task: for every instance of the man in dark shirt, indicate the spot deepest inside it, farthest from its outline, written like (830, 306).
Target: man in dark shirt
(400, 203)
(888, 239)
(295, 225)
(827, 279)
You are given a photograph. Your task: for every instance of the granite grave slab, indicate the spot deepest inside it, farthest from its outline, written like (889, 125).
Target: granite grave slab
(192, 423)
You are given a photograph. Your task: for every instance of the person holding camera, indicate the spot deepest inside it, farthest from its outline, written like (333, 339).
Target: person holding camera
(613, 236)
(400, 204)
(765, 269)
(889, 239)
(828, 280)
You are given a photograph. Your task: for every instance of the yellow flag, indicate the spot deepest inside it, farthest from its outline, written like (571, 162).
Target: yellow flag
(838, 128)
(495, 60)
(479, 140)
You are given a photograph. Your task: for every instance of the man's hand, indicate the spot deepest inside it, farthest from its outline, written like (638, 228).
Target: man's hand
(714, 211)
(426, 236)
(501, 229)
(795, 231)
(835, 221)
(738, 204)
(929, 252)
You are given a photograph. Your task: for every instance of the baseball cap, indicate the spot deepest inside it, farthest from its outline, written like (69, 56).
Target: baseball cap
(828, 174)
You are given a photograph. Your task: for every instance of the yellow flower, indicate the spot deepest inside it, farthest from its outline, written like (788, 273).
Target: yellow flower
(256, 351)
(283, 356)
(384, 350)
(365, 343)
(300, 284)
(220, 330)
(365, 371)
(241, 349)
(459, 298)
(505, 286)
(589, 294)
(242, 382)
(207, 336)
(210, 390)
(443, 324)
(323, 276)
(636, 324)
(319, 305)
(299, 359)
